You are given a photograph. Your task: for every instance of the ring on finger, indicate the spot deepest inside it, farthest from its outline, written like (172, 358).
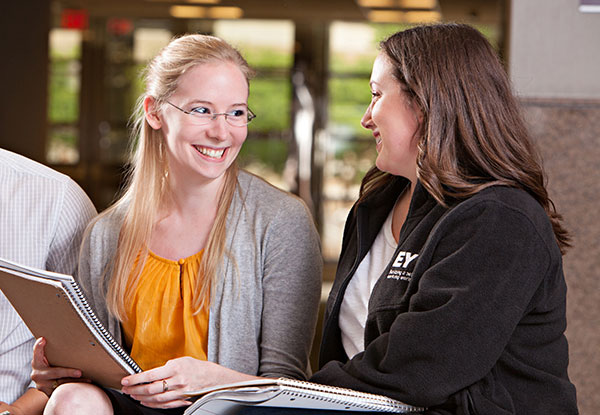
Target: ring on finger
(54, 384)
(165, 386)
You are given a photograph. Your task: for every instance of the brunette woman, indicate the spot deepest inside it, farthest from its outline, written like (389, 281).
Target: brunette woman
(450, 292)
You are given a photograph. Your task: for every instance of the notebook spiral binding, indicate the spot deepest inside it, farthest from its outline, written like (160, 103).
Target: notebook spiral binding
(348, 403)
(347, 397)
(87, 310)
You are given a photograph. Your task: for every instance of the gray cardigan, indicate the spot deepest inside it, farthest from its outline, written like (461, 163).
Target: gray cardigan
(263, 316)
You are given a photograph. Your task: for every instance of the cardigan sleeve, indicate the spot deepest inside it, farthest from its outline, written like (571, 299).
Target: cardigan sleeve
(291, 291)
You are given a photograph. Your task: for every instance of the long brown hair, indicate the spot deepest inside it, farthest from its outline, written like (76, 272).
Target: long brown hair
(472, 135)
(147, 187)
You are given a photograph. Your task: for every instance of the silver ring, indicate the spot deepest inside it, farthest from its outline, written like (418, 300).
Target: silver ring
(165, 386)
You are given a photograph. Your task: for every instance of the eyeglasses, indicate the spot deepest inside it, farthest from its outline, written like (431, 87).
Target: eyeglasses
(201, 115)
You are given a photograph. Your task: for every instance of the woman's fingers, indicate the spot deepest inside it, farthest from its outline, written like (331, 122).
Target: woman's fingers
(46, 377)
(156, 388)
(147, 377)
(51, 373)
(157, 394)
(48, 387)
(147, 389)
(39, 354)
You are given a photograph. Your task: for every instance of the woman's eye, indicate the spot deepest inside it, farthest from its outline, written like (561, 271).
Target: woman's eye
(237, 113)
(200, 110)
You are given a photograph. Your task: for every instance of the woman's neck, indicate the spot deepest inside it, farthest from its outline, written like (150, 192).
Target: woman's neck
(186, 218)
(401, 210)
(189, 196)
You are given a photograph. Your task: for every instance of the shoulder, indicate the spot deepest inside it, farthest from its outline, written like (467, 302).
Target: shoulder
(505, 208)
(504, 200)
(261, 196)
(27, 179)
(262, 210)
(31, 172)
(104, 230)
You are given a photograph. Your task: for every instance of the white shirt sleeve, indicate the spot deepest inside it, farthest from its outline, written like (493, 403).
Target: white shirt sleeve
(43, 215)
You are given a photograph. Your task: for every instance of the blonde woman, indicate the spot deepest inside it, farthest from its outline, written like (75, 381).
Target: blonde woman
(207, 274)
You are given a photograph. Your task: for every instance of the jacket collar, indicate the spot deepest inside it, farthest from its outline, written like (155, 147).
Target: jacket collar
(374, 210)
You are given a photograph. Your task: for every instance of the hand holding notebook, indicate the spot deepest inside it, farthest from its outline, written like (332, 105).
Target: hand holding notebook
(53, 306)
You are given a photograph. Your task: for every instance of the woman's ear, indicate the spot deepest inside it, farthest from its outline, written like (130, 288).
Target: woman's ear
(151, 113)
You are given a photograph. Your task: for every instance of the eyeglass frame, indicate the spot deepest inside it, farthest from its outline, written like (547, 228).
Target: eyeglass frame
(250, 116)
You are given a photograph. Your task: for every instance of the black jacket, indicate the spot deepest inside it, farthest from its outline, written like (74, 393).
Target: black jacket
(469, 315)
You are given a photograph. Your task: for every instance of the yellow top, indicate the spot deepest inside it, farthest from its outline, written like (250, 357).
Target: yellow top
(161, 324)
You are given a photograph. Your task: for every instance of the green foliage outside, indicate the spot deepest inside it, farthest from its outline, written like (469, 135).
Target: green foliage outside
(137, 86)
(63, 104)
(264, 58)
(63, 95)
(270, 100)
(341, 63)
(64, 92)
(348, 99)
(271, 154)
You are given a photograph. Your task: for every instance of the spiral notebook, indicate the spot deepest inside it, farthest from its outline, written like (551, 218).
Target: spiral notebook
(289, 393)
(52, 305)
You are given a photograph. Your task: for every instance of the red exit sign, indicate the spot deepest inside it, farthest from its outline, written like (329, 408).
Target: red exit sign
(74, 19)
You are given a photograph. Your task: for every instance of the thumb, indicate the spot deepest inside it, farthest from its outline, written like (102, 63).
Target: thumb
(39, 353)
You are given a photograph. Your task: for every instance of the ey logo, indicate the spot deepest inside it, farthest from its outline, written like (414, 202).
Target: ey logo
(403, 259)
(399, 267)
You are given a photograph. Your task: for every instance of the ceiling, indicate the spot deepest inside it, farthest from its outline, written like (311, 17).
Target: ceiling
(471, 11)
(252, 9)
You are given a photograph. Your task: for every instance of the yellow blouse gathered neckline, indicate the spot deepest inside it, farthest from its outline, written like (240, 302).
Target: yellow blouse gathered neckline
(195, 257)
(161, 324)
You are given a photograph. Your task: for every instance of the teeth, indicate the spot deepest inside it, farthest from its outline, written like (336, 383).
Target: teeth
(217, 154)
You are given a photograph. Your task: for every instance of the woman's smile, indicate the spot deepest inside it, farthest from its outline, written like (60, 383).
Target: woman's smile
(211, 153)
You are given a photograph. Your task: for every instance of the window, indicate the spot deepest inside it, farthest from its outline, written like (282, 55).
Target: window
(63, 95)
(350, 151)
(267, 45)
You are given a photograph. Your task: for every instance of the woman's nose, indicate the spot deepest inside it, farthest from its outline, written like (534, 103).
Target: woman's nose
(218, 128)
(366, 120)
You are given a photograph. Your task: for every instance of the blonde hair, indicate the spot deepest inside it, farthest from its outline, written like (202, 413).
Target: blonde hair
(147, 188)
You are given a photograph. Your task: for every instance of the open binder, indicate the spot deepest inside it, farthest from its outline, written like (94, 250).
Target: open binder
(289, 393)
(52, 305)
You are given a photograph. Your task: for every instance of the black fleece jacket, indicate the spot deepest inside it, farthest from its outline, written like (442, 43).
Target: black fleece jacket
(468, 316)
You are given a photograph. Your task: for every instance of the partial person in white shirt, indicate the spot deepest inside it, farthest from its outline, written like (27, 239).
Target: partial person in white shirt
(43, 215)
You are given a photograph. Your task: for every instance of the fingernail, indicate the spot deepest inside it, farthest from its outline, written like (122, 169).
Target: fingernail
(124, 382)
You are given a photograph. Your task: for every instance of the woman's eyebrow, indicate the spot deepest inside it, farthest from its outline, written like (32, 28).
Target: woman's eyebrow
(199, 101)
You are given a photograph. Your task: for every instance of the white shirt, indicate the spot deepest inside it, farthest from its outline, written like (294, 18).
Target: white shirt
(354, 308)
(43, 214)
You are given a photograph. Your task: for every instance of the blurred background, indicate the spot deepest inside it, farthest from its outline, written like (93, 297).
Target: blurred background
(71, 75)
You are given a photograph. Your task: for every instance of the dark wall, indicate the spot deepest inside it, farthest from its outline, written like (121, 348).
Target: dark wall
(24, 28)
